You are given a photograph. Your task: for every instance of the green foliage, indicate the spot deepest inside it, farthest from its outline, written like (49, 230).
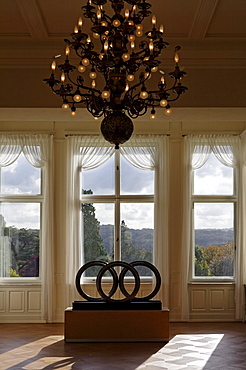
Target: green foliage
(24, 245)
(201, 266)
(13, 273)
(214, 260)
(130, 253)
(93, 246)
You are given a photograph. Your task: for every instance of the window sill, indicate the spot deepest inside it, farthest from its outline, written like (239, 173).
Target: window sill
(10, 282)
(202, 282)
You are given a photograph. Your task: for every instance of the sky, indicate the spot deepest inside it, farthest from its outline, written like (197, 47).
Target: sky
(212, 178)
(20, 178)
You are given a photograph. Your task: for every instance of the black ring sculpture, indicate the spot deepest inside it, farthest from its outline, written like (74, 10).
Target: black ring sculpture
(118, 281)
(127, 267)
(157, 277)
(85, 267)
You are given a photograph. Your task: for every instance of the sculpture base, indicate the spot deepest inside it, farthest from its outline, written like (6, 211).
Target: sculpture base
(117, 325)
(107, 306)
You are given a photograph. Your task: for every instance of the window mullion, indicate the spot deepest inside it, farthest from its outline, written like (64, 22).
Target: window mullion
(117, 249)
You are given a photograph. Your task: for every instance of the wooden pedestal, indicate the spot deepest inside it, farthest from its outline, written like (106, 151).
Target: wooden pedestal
(117, 326)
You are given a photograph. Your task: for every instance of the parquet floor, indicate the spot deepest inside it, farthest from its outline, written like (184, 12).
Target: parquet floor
(193, 346)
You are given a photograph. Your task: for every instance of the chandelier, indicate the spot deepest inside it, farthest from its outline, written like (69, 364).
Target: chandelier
(124, 66)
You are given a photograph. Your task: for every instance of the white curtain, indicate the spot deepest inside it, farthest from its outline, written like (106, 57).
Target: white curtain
(197, 148)
(151, 152)
(38, 150)
(146, 152)
(85, 152)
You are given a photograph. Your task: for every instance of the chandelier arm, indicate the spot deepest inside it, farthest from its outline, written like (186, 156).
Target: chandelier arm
(83, 87)
(131, 89)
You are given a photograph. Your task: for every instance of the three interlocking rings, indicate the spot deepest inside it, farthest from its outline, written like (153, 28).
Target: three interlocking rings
(118, 281)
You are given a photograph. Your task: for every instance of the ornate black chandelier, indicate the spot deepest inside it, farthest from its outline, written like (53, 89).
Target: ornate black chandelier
(125, 66)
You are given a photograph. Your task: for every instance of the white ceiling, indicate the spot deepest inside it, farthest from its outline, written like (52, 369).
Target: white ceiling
(212, 34)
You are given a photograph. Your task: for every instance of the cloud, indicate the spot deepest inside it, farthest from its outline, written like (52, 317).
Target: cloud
(213, 215)
(20, 178)
(213, 178)
(134, 181)
(21, 215)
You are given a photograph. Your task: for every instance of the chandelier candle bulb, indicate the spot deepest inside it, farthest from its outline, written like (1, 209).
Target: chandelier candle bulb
(176, 58)
(126, 56)
(99, 15)
(139, 27)
(105, 94)
(163, 103)
(92, 75)
(153, 21)
(152, 114)
(144, 95)
(63, 77)
(151, 47)
(168, 111)
(154, 69)
(139, 33)
(77, 98)
(67, 50)
(105, 46)
(85, 62)
(127, 14)
(53, 65)
(130, 78)
(80, 22)
(116, 61)
(65, 106)
(81, 68)
(131, 37)
(116, 23)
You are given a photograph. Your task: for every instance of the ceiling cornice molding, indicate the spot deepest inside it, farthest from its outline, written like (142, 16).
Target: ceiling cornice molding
(33, 18)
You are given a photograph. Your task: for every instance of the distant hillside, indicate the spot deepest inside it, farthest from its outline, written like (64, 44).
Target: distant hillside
(208, 237)
(143, 238)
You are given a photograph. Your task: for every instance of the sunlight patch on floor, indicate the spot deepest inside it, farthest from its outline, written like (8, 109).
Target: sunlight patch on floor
(184, 352)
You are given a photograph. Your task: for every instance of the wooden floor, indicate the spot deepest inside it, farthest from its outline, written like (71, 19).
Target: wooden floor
(195, 346)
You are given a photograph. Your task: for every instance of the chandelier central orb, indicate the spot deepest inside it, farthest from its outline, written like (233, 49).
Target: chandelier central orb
(125, 64)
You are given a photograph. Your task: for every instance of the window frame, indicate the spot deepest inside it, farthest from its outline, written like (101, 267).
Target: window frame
(24, 198)
(117, 199)
(196, 198)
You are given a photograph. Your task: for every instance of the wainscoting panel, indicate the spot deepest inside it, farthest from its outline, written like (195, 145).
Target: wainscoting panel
(212, 302)
(2, 301)
(33, 301)
(198, 299)
(16, 301)
(20, 304)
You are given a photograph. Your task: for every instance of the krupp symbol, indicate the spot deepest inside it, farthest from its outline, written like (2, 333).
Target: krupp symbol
(118, 281)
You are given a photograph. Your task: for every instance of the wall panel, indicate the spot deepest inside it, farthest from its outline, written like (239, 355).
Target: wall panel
(212, 302)
(20, 304)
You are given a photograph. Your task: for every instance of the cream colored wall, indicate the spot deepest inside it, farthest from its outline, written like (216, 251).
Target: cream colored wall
(221, 306)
